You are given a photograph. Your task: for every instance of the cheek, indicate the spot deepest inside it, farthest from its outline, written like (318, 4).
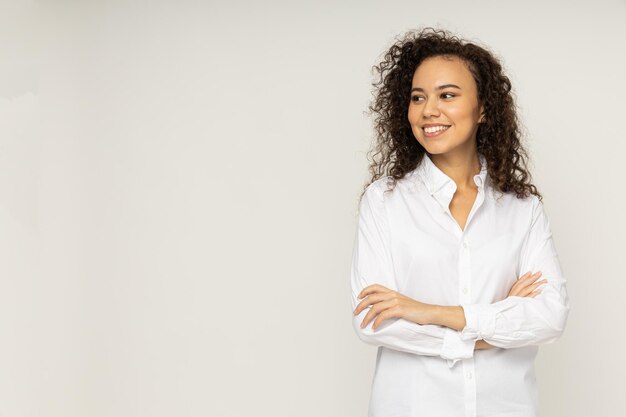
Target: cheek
(414, 117)
(456, 113)
(461, 113)
(412, 114)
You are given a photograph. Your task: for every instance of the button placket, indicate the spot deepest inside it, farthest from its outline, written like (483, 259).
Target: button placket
(470, 388)
(465, 276)
(464, 270)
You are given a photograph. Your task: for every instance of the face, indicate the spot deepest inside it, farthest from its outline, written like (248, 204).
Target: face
(444, 93)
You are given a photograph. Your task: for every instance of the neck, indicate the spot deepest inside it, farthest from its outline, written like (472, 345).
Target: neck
(460, 167)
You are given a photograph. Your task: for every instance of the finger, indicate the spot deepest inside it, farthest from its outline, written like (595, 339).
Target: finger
(372, 289)
(386, 312)
(523, 279)
(366, 290)
(535, 293)
(523, 282)
(539, 285)
(532, 286)
(375, 310)
(369, 300)
(529, 289)
(533, 276)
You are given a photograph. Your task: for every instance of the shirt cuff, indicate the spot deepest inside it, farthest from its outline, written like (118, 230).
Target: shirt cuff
(480, 321)
(454, 348)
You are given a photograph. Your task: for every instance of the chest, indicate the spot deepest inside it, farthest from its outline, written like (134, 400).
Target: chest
(461, 205)
(432, 256)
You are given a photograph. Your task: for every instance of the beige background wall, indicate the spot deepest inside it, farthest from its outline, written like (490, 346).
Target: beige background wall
(178, 187)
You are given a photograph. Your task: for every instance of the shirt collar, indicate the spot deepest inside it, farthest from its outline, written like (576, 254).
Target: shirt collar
(435, 179)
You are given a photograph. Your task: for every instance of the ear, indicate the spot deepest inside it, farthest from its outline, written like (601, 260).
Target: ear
(482, 114)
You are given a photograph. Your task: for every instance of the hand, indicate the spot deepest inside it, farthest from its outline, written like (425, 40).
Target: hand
(388, 304)
(524, 287)
(526, 284)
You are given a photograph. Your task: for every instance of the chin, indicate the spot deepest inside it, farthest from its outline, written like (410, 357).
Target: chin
(436, 148)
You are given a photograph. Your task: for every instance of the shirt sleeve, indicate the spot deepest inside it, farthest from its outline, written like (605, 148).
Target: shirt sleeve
(372, 263)
(522, 321)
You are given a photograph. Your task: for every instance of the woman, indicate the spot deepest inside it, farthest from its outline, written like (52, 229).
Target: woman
(455, 275)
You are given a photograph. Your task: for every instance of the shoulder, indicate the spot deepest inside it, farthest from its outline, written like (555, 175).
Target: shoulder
(386, 188)
(376, 196)
(531, 204)
(521, 211)
(531, 209)
(510, 200)
(377, 189)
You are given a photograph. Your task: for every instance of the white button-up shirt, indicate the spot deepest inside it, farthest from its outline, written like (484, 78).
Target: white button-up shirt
(407, 240)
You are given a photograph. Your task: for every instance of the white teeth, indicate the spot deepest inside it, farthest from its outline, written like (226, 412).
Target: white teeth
(435, 129)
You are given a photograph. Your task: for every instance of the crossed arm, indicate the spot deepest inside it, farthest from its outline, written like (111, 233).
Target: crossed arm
(386, 303)
(453, 332)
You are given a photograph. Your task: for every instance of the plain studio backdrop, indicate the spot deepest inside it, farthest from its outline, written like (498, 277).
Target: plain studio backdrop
(178, 198)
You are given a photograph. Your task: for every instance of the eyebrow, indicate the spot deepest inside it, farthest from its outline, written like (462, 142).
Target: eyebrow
(441, 87)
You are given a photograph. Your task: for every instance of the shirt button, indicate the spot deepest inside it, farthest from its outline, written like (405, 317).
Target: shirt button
(469, 375)
(465, 243)
(464, 290)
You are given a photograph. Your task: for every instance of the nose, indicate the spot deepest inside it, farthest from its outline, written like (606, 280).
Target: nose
(431, 107)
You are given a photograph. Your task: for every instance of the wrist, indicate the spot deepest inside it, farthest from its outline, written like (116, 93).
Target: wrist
(449, 316)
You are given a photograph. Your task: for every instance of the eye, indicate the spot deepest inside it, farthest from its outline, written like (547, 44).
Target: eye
(415, 98)
(449, 94)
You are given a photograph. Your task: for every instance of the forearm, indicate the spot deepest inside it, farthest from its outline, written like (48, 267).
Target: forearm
(448, 316)
(454, 317)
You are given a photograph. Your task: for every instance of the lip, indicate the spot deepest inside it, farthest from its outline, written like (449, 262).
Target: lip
(433, 124)
(439, 132)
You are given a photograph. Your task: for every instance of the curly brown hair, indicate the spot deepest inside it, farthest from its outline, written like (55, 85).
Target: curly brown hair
(396, 150)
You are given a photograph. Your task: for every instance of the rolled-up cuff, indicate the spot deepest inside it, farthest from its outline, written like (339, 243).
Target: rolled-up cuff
(480, 321)
(454, 348)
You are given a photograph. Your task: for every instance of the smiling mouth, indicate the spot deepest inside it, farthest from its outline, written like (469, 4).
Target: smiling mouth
(430, 132)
